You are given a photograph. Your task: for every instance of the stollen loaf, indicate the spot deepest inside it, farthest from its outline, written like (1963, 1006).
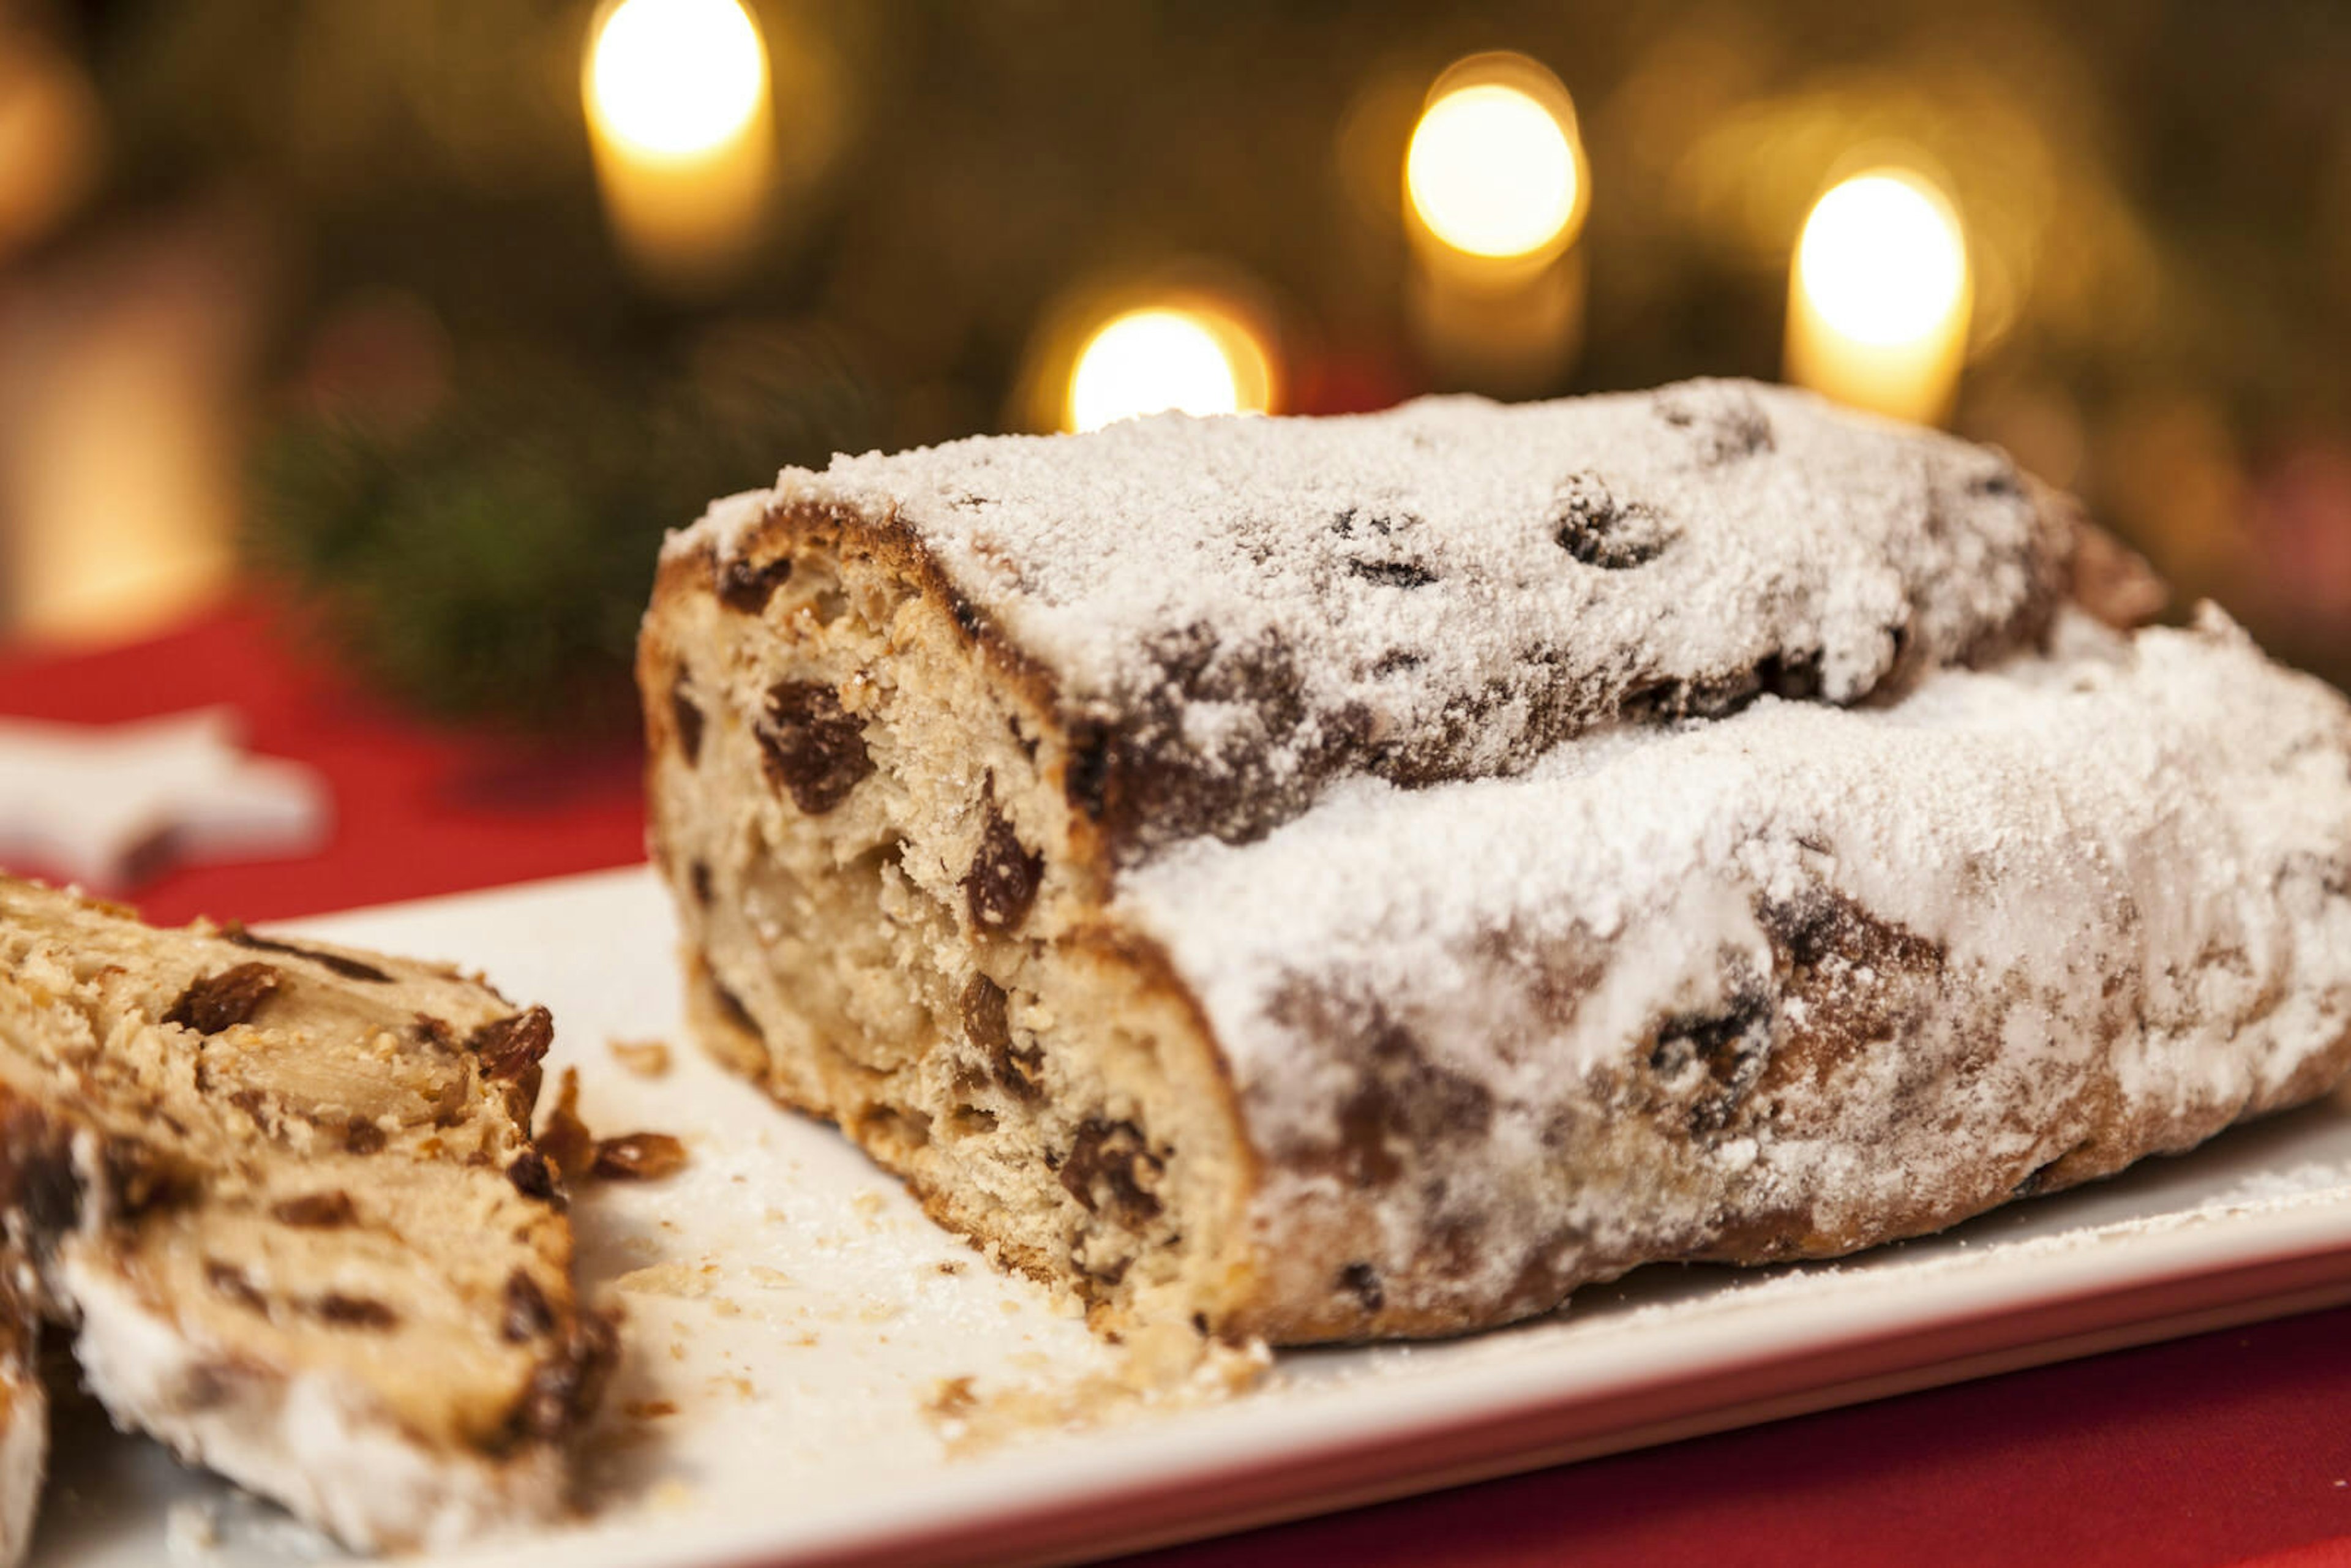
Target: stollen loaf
(1325, 878)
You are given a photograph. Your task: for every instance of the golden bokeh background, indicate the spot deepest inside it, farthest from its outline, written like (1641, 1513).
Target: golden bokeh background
(381, 309)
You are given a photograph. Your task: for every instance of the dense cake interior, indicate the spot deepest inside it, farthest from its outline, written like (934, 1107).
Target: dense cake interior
(886, 913)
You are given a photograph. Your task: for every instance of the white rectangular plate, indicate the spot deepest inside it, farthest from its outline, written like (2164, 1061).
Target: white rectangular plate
(799, 1317)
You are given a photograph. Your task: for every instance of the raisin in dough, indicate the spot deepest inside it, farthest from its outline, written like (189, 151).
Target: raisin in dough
(286, 1197)
(1368, 876)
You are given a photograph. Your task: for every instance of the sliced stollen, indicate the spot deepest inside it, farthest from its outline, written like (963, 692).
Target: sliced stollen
(1335, 878)
(286, 1197)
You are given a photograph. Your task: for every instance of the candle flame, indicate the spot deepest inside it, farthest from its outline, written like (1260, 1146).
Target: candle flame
(674, 78)
(1194, 360)
(1878, 297)
(1882, 258)
(1493, 171)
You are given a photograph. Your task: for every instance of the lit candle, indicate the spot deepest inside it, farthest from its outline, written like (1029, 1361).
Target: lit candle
(118, 466)
(678, 116)
(1193, 358)
(1879, 296)
(1495, 186)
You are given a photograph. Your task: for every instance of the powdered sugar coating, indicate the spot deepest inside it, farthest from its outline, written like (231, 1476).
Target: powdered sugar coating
(1802, 969)
(1252, 607)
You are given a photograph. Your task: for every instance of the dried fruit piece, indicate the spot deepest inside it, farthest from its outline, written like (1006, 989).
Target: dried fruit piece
(986, 1023)
(317, 1210)
(231, 1281)
(1598, 529)
(356, 1311)
(1110, 1170)
(340, 965)
(532, 1177)
(747, 587)
(564, 1138)
(527, 1313)
(1001, 885)
(811, 747)
(688, 719)
(639, 1156)
(216, 1002)
(511, 1046)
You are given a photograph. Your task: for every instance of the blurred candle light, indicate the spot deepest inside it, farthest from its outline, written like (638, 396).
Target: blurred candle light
(1879, 296)
(680, 122)
(1492, 172)
(50, 125)
(1192, 358)
(119, 461)
(1496, 186)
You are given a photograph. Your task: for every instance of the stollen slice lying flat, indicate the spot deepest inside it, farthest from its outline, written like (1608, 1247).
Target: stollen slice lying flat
(1322, 879)
(286, 1197)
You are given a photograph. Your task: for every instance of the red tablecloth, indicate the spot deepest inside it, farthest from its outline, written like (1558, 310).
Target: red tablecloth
(418, 810)
(2229, 1448)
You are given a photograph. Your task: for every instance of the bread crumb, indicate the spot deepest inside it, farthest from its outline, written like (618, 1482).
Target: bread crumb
(645, 1058)
(192, 1531)
(949, 1409)
(638, 1156)
(687, 1279)
(650, 1409)
(1162, 1367)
